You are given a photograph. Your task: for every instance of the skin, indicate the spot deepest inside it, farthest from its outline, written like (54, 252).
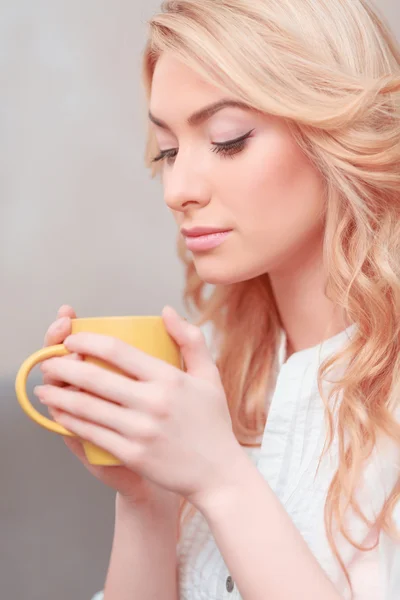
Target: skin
(270, 194)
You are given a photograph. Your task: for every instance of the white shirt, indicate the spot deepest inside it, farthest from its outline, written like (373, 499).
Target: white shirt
(291, 446)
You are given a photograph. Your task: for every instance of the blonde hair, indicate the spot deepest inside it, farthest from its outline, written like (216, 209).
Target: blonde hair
(331, 68)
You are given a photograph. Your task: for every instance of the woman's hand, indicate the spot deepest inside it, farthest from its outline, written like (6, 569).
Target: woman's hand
(169, 426)
(132, 486)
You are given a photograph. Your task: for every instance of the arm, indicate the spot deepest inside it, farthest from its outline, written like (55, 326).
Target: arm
(143, 560)
(264, 552)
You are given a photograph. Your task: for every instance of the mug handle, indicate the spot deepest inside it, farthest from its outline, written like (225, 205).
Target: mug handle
(20, 387)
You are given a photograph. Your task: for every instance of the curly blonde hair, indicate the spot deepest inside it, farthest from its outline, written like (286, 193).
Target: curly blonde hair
(331, 69)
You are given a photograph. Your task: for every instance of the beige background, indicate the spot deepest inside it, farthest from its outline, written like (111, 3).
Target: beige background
(81, 223)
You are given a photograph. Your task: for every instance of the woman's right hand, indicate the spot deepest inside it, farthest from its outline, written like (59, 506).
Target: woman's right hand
(134, 488)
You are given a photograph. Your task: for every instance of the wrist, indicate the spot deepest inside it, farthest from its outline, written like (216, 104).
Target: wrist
(165, 506)
(231, 482)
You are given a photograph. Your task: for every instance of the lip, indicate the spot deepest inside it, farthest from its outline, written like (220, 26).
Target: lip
(207, 241)
(198, 231)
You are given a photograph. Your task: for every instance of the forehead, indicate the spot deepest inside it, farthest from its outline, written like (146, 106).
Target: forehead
(176, 83)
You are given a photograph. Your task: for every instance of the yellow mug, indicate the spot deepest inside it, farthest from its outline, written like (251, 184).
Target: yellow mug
(145, 333)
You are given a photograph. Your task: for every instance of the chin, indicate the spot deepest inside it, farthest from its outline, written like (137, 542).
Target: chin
(220, 274)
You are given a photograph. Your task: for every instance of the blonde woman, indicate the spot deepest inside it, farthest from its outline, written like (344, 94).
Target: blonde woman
(269, 468)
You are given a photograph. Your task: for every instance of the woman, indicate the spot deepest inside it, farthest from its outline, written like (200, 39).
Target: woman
(275, 129)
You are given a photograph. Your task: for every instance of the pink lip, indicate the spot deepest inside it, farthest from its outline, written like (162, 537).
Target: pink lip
(201, 231)
(205, 241)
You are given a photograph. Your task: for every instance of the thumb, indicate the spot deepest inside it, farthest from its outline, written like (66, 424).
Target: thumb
(192, 344)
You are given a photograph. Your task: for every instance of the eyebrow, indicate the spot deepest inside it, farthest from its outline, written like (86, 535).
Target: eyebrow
(203, 114)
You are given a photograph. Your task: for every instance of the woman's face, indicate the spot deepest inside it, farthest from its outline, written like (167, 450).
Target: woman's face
(263, 190)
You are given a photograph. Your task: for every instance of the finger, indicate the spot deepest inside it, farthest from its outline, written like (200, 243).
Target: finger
(125, 357)
(191, 340)
(51, 410)
(73, 443)
(56, 334)
(66, 311)
(88, 407)
(127, 451)
(48, 380)
(54, 413)
(106, 384)
(58, 331)
(96, 410)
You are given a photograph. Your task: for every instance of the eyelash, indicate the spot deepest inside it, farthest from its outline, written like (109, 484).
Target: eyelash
(227, 149)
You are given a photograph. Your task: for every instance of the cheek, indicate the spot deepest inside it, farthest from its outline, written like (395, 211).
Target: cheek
(279, 190)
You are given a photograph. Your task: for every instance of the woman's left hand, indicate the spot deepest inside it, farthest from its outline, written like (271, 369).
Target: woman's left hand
(168, 425)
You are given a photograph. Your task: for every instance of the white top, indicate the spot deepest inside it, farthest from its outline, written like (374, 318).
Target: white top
(291, 445)
(288, 457)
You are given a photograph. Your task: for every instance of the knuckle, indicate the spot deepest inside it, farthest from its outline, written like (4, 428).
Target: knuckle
(49, 337)
(112, 347)
(160, 406)
(174, 384)
(163, 409)
(57, 332)
(149, 432)
(195, 335)
(80, 409)
(85, 380)
(87, 374)
(135, 454)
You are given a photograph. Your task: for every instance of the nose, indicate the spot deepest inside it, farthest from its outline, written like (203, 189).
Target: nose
(185, 187)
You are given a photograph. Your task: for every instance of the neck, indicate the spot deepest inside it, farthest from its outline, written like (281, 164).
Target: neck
(307, 315)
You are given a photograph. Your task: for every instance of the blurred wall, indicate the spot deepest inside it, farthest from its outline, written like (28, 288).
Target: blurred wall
(81, 222)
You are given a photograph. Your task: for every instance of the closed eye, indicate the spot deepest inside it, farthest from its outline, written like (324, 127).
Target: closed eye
(226, 149)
